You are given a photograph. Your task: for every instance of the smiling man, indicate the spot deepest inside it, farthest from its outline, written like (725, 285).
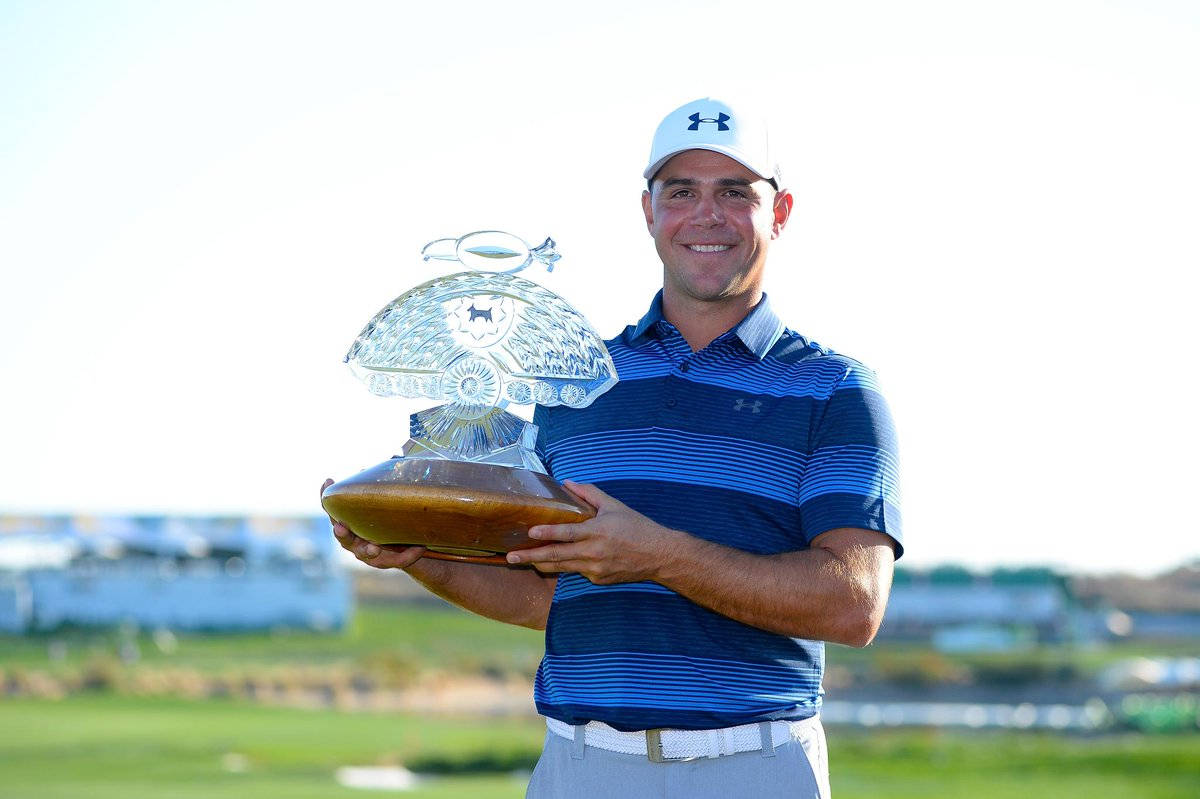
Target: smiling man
(745, 485)
(712, 219)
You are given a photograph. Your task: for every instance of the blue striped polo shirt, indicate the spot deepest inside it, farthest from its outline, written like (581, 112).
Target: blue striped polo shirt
(761, 441)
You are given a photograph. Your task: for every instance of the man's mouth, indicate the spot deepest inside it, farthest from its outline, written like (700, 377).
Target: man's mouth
(708, 247)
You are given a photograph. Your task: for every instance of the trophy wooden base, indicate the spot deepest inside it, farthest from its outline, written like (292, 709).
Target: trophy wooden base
(458, 510)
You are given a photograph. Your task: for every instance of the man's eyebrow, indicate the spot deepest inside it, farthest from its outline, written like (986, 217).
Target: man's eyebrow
(720, 182)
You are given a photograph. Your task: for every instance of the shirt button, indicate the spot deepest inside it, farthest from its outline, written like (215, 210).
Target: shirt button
(671, 402)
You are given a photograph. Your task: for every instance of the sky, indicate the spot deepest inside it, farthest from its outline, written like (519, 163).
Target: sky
(996, 208)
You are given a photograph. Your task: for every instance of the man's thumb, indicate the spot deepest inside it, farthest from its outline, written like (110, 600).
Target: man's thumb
(588, 493)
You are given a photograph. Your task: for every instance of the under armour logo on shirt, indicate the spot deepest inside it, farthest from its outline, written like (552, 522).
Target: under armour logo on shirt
(719, 120)
(742, 405)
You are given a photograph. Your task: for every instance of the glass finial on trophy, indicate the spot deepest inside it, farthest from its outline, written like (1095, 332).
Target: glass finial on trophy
(469, 484)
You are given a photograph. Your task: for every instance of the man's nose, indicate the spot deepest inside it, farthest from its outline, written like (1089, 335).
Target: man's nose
(708, 212)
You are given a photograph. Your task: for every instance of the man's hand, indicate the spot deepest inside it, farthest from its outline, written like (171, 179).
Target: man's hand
(619, 545)
(836, 590)
(381, 557)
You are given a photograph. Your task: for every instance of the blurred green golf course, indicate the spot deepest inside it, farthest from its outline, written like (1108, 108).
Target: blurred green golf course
(100, 714)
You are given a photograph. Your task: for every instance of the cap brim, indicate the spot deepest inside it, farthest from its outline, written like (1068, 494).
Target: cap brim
(652, 170)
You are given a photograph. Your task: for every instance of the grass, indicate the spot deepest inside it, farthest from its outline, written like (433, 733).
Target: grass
(414, 636)
(916, 665)
(391, 642)
(105, 747)
(1007, 765)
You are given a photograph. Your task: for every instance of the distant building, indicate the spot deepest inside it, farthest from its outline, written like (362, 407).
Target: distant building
(184, 573)
(958, 610)
(1163, 607)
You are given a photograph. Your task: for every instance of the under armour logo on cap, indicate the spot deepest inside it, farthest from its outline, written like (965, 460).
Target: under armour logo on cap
(720, 119)
(709, 124)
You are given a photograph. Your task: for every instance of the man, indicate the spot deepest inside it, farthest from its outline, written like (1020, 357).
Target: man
(744, 481)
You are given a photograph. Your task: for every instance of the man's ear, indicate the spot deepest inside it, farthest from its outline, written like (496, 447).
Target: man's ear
(783, 210)
(648, 210)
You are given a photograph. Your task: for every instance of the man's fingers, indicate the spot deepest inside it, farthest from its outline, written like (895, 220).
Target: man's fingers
(555, 532)
(398, 557)
(346, 538)
(589, 494)
(365, 550)
(555, 561)
(551, 554)
(384, 556)
(551, 568)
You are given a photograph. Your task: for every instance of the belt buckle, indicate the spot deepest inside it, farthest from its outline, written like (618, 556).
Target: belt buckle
(654, 750)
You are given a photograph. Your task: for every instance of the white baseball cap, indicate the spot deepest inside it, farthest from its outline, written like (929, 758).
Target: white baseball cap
(708, 124)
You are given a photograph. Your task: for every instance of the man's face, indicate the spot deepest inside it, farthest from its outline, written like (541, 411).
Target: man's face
(712, 220)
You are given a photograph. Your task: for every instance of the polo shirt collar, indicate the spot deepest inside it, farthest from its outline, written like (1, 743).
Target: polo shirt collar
(759, 330)
(647, 322)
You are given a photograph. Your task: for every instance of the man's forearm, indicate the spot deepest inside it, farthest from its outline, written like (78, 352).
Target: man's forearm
(513, 595)
(836, 590)
(835, 594)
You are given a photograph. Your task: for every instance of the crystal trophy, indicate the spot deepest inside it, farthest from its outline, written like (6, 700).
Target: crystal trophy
(469, 484)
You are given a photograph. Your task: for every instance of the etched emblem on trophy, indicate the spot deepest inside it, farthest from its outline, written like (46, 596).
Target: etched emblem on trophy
(469, 484)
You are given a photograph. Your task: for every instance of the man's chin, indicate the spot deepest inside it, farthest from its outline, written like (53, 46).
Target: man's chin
(714, 294)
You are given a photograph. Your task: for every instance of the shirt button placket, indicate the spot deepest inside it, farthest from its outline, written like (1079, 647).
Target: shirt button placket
(679, 351)
(671, 401)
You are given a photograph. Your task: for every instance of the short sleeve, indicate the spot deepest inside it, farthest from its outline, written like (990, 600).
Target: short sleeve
(851, 477)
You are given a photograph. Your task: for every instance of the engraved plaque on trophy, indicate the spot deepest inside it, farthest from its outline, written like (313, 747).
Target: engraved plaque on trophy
(469, 484)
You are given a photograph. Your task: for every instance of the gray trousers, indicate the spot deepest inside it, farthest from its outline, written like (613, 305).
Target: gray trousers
(796, 769)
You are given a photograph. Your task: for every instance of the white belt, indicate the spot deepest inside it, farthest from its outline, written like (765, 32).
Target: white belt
(665, 745)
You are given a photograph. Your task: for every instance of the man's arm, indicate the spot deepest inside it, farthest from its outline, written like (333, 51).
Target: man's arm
(834, 591)
(513, 595)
